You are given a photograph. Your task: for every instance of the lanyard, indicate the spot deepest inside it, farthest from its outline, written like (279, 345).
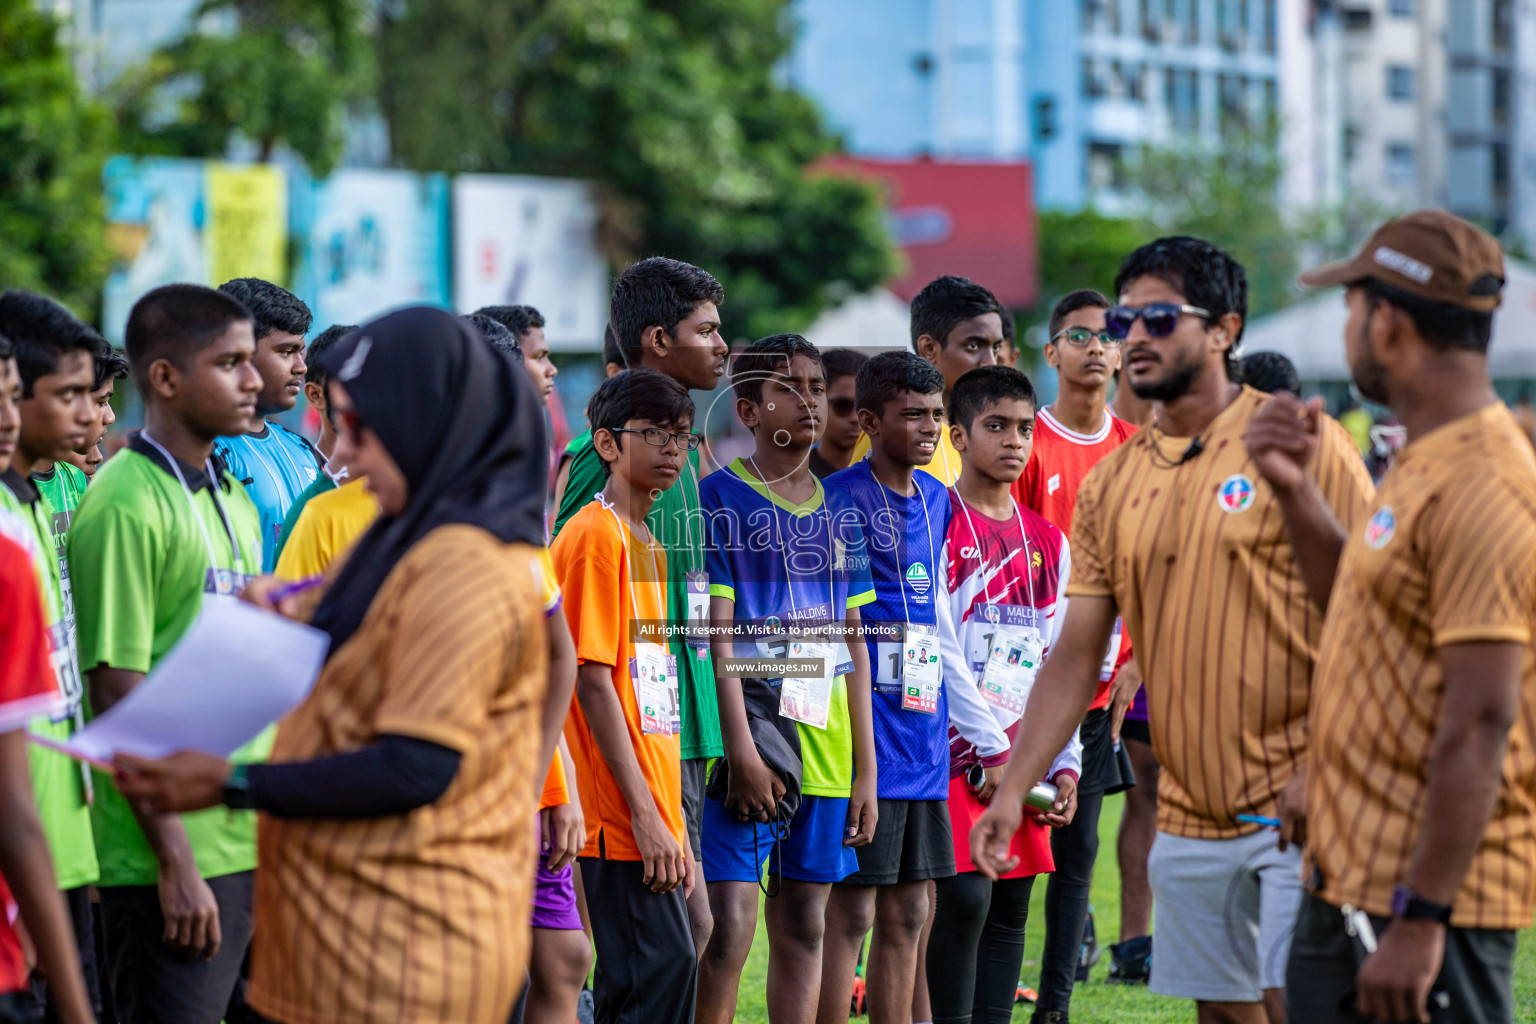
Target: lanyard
(1029, 576)
(901, 584)
(629, 559)
(277, 478)
(695, 551)
(234, 545)
(789, 580)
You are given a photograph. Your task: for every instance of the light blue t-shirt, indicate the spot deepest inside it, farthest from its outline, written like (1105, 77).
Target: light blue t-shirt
(275, 467)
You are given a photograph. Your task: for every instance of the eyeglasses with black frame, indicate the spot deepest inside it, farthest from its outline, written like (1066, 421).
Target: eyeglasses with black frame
(1160, 318)
(1079, 337)
(657, 438)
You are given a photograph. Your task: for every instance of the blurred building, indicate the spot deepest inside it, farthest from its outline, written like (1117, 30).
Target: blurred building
(1391, 103)
(1075, 87)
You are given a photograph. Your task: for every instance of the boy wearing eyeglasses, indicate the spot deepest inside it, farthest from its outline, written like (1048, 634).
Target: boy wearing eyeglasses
(1071, 436)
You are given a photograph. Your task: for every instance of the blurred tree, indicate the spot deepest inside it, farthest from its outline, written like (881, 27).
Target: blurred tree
(672, 107)
(1230, 196)
(280, 72)
(1082, 249)
(53, 142)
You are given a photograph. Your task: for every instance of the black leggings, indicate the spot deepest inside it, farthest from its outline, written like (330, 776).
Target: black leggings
(977, 948)
(1066, 902)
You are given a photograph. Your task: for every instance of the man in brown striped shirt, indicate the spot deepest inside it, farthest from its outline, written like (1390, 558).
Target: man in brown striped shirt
(1176, 532)
(1422, 770)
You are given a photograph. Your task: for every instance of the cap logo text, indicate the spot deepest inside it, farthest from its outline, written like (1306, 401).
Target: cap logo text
(1403, 264)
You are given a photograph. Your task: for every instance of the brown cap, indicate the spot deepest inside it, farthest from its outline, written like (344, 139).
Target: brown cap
(1429, 253)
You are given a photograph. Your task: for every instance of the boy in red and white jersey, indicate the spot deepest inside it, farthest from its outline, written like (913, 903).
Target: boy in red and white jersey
(1005, 570)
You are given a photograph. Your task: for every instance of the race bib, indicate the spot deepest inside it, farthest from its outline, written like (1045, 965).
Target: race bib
(66, 671)
(1112, 655)
(1012, 665)
(698, 613)
(654, 674)
(807, 698)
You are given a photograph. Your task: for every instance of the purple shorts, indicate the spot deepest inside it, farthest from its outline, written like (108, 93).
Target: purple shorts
(554, 898)
(1137, 712)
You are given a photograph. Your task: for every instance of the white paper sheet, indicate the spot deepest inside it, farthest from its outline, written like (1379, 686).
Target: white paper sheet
(237, 670)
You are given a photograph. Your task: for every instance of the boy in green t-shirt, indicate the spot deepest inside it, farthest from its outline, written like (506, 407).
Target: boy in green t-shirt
(160, 529)
(665, 316)
(56, 357)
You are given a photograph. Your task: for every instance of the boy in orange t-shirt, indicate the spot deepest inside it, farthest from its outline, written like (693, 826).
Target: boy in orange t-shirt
(623, 730)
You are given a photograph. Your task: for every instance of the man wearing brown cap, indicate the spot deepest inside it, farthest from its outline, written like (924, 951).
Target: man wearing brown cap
(1421, 789)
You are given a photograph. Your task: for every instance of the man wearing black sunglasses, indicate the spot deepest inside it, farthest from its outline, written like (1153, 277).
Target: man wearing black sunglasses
(1177, 531)
(834, 451)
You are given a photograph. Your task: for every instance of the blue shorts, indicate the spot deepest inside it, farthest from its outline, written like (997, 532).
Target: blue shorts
(813, 852)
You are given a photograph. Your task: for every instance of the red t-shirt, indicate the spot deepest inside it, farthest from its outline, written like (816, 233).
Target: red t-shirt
(27, 689)
(1057, 467)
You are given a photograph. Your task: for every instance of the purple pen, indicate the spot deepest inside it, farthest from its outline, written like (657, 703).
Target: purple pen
(288, 590)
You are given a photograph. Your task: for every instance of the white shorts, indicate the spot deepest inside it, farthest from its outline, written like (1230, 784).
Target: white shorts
(1225, 910)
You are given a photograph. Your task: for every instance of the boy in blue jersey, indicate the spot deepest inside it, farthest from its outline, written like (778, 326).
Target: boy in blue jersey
(275, 464)
(913, 649)
(774, 553)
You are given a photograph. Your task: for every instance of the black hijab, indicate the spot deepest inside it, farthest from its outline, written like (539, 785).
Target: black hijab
(464, 426)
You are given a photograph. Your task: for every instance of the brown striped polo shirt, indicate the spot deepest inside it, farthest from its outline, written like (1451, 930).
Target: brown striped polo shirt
(1195, 555)
(421, 916)
(1447, 556)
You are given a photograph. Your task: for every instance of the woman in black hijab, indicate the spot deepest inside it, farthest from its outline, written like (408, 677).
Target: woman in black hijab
(394, 851)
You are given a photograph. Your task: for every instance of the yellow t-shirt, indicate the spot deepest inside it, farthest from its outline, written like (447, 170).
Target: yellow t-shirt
(328, 526)
(945, 467)
(332, 522)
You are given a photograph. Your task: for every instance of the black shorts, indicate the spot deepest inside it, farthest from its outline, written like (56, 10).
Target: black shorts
(693, 803)
(912, 843)
(1136, 729)
(1106, 765)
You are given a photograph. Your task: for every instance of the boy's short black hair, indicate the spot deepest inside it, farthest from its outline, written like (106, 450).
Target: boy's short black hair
(313, 374)
(1083, 298)
(889, 374)
(838, 363)
(42, 332)
(495, 332)
(764, 358)
(611, 351)
(638, 394)
(272, 307)
(111, 366)
(1443, 327)
(1205, 274)
(1269, 372)
(175, 322)
(6, 351)
(517, 319)
(979, 388)
(657, 292)
(945, 303)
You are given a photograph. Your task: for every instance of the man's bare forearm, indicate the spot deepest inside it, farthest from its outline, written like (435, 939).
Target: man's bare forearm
(1316, 537)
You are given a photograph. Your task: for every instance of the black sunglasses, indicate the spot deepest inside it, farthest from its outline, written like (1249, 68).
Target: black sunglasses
(1160, 318)
(841, 406)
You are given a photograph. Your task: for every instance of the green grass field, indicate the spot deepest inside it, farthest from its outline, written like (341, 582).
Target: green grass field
(1098, 1002)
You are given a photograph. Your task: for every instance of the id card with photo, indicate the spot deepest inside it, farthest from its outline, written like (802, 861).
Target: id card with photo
(991, 619)
(808, 698)
(654, 673)
(1012, 665)
(921, 675)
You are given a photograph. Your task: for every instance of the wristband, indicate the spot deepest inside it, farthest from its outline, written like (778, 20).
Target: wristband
(237, 793)
(1407, 905)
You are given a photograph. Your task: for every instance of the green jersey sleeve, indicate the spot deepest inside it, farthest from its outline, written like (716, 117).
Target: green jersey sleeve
(115, 558)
